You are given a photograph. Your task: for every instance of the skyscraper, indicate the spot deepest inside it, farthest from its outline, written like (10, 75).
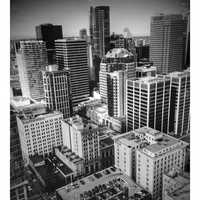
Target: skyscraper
(148, 103)
(116, 92)
(115, 60)
(180, 102)
(99, 35)
(167, 42)
(57, 90)
(83, 34)
(72, 54)
(100, 29)
(31, 59)
(49, 33)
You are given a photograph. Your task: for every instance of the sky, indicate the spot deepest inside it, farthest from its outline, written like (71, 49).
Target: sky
(73, 15)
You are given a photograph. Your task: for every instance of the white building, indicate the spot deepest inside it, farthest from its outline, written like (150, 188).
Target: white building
(31, 59)
(115, 60)
(125, 146)
(116, 83)
(57, 89)
(160, 157)
(148, 103)
(82, 137)
(39, 133)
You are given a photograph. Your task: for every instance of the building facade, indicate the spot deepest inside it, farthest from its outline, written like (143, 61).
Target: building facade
(100, 30)
(39, 133)
(167, 42)
(115, 60)
(165, 154)
(72, 54)
(57, 90)
(31, 59)
(148, 103)
(48, 33)
(82, 137)
(180, 108)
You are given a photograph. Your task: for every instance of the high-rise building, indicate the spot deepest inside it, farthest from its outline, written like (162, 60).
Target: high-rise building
(180, 102)
(83, 34)
(145, 71)
(100, 29)
(148, 103)
(57, 90)
(116, 92)
(49, 33)
(31, 59)
(72, 54)
(82, 137)
(167, 42)
(18, 184)
(115, 60)
(160, 157)
(40, 131)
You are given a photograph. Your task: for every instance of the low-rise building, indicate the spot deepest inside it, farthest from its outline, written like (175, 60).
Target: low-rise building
(106, 152)
(110, 183)
(70, 159)
(176, 186)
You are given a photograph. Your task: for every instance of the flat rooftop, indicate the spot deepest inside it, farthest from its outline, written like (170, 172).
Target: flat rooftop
(146, 68)
(105, 142)
(149, 79)
(81, 123)
(163, 143)
(69, 154)
(118, 53)
(147, 130)
(102, 178)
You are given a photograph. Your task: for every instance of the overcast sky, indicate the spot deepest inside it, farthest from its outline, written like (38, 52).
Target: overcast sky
(74, 14)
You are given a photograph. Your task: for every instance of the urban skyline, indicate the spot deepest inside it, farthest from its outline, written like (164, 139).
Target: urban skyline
(100, 115)
(132, 14)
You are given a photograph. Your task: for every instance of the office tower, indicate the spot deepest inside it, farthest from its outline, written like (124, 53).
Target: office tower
(57, 90)
(40, 131)
(82, 137)
(142, 53)
(176, 186)
(148, 103)
(72, 54)
(116, 92)
(49, 33)
(145, 71)
(152, 161)
(83, 34)
(115, 60)
(180, 102)
(167, 42)
(100, 29)
(18, 184)
(125, 146)
(31, 59)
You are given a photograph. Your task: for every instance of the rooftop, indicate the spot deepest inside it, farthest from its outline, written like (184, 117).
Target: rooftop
(180, 74)
(118, 53)
(146, 68)
(149, 79)
(164, 144)
(101, 181)
(105, 142)
(147, 130)
(81, 123)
